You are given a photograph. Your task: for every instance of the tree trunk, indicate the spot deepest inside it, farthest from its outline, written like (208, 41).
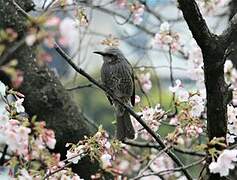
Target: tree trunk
(45, 95)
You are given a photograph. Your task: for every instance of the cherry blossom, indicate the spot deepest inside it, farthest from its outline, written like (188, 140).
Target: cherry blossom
(144, 80)
(195, 62)
(152, 116)
(18, 105)
(137, 99)
(2, 89)
(232, 123)
(73, 157)
(53, 21)
(212, 6)
(24, 175)
(48, 137)
(106, 160)
(16, 136)
(224, 162)
(137, 12)
(167, 38)
(75, 154)
(121, 3)
(196, 100)
(198, 104)
(161, 163)
(30, 39)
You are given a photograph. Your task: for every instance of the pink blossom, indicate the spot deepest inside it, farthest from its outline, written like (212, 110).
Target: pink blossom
(193, 130)
(144, 80)
(121, 3)
(63, 41)
(174, 121)
(137, 10)
(137, 99)
(167, 38)
(152, 117)
(53, 21)
(16, 137)
(49, 138)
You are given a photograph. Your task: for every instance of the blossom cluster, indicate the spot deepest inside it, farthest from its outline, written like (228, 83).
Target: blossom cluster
(232, 123)
(230, 74)
(53, 28)
(167, 38)
(136, 9)
(97, 147)
(144, 80)
(212, 6)
(27, 141)
(195, 100)
(195, 70)
(224, 162)
(152, 117)
(191, 105)
(121, 3)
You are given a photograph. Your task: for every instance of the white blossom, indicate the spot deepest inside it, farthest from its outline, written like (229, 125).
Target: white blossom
(164, 27)
(76, 154)
(2, 89)
(224, 162)
(73, 157)
(106, 160)
(18, 105)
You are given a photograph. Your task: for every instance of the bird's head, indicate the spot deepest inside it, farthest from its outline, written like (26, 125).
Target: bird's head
(111, 54)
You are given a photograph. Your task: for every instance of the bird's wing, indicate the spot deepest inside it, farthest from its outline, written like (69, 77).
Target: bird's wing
(107, 81)
(133, 93)
(133, 87)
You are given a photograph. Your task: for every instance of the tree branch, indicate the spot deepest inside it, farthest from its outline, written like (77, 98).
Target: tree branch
(196, 23)
(136, 116)
(230, 34)
(45, 95)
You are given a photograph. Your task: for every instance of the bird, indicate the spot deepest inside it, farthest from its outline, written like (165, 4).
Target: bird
(117, 76)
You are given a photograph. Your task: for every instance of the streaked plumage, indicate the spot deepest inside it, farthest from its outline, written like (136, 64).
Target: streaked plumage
(117, 75)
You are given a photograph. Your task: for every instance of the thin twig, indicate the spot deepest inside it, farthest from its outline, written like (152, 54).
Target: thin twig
(167, 171)
(141, 144)
(56, 171)
(188, 152)
(3, 155)
(80, 87)
(150, 162)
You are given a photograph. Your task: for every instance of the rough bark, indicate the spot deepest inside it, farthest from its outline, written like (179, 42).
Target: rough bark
(45, 95)
(213, 50)
(233, 10)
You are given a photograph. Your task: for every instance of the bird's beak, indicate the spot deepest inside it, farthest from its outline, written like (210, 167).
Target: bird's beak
(99, 52)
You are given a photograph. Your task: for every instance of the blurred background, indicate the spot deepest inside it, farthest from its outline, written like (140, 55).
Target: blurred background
(107, 22)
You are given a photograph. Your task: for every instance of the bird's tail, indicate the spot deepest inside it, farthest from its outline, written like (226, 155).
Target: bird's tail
(124, 126)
